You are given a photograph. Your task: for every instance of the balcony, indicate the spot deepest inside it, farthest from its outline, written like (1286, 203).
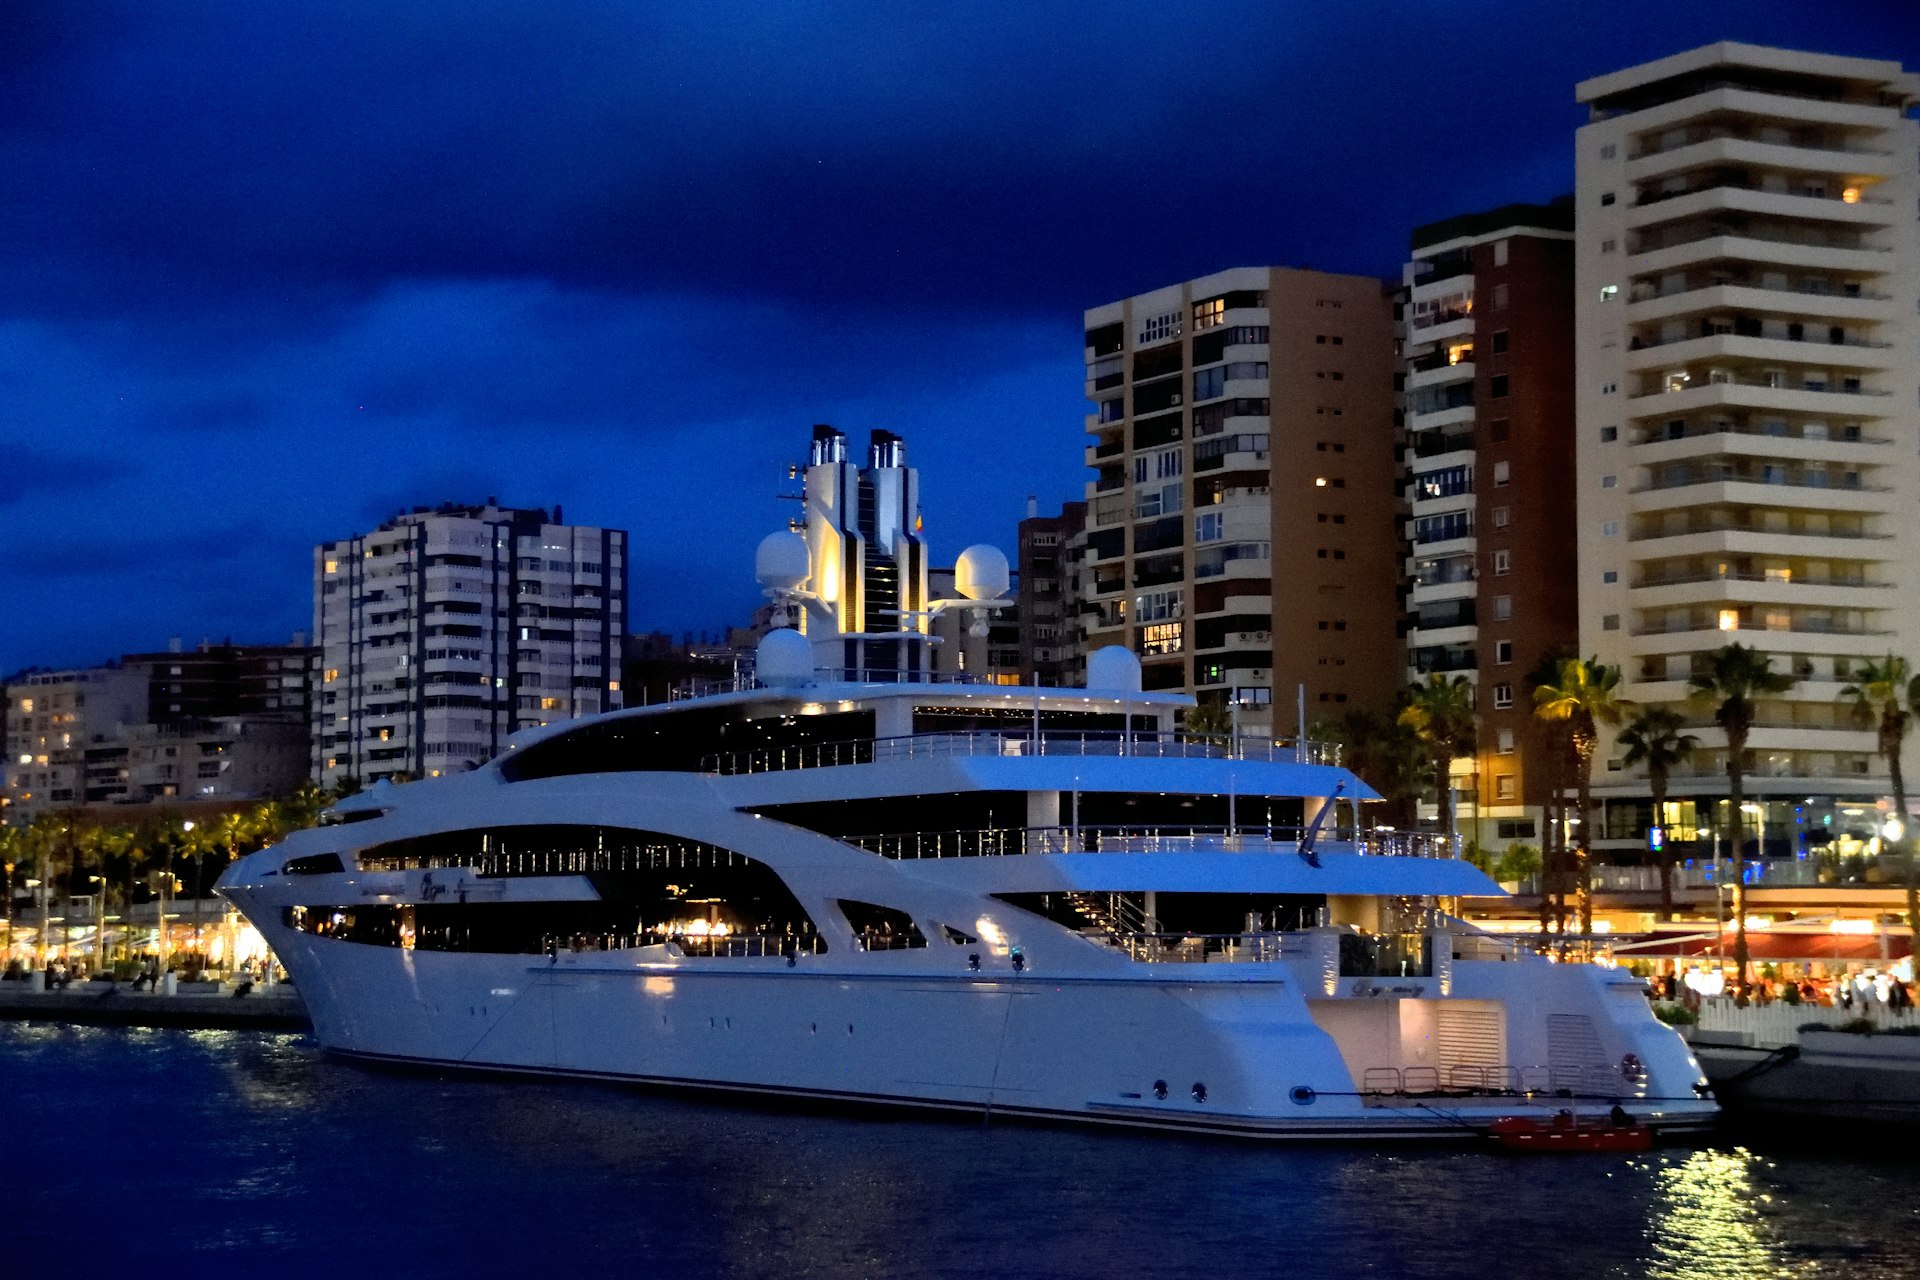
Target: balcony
(1743, 436)
(1649, 353)
(1436, 443)
(1851, 301)
(1825, 402)
(1656, 207)
(1710, 246)
(1724, 144)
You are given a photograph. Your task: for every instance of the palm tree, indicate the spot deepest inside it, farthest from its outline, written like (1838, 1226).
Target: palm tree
(1583, 698)
(1738, 677)
(1877, 693)
(1383, 753)
(1655, 738)
(1440, 713)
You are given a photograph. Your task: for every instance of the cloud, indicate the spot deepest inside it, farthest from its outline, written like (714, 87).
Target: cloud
(27, 470)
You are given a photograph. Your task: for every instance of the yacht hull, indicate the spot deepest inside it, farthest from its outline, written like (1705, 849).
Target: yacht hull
(1236, 1054)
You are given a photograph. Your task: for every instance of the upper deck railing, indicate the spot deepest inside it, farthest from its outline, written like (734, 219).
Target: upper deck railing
(1115, 743)
(742, 681)
(992, 842)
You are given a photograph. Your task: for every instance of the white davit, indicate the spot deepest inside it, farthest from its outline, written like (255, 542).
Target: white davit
(1026, 902)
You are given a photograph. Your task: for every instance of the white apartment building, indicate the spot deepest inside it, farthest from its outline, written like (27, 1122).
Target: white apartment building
(443, 631)
(1748, 456)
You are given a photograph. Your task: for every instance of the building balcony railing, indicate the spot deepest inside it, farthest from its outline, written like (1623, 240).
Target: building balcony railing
(1813, 388)
(1732, 526)
(1139, 744)
(1848, 484)
(1651, 342)
(1689, 579)
(1842, 433)
(1800, 628)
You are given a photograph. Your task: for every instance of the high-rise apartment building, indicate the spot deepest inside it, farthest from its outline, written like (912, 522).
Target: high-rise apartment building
(1240, 529)
(444, 630)
(1747, 410)
(1488, 385)
(52, 718)
(1048, 588)
(214, 681)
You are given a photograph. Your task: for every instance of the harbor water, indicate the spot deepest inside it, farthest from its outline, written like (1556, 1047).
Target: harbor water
(205, 1153)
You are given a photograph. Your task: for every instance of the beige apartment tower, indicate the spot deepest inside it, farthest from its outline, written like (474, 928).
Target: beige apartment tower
(1240, 526)
(1748, 451)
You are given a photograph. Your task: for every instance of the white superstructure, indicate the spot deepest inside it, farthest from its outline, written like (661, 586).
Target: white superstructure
(1040, 902)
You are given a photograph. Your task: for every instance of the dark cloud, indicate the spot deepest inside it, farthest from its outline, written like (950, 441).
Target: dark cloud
(29, 470)
(277, 270)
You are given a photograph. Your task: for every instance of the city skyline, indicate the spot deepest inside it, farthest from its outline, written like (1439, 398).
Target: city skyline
(278, 276)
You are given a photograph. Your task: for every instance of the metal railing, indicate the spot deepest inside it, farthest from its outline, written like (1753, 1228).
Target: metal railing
(1118, 743)
(998, 842)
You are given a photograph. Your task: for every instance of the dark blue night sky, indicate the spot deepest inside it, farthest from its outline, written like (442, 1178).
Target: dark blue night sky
(269, 272)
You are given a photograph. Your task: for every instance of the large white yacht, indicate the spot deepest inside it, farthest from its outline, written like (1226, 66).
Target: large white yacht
(873, 885)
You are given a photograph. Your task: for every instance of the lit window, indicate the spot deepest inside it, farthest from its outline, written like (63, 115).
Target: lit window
(1209, 313)
(333, 566)
(1502, 696)
(1729, 619)
(1503, 786)
(1162, 637)
(1851, 195)
(1608, 292)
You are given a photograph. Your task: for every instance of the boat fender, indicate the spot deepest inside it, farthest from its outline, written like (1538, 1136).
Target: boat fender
(1303, 1096)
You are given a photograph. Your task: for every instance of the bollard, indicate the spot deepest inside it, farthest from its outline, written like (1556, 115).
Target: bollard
(36, 980)
(170, 985)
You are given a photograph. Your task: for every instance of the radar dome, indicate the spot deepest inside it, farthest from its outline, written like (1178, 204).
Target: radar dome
(784, 659)
(1113, 670)
(981, 573)
(781, 563)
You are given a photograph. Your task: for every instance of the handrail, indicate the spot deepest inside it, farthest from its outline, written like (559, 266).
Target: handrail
(1138, 744)
(996, 842)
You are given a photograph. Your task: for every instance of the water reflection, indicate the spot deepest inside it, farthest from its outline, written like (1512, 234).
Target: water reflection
(1707, 1219)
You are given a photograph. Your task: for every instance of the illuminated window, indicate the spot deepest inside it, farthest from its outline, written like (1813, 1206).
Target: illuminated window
(333, 566)
(551, 704)
(1608, 292)
(1162, 637)
(1504, 787)
(1209, 313)
(330, 675)
(1851, 195)
(26, 705)
(1729, 619)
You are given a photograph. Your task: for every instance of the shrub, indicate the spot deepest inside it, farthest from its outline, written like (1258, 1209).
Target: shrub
(1675, 1015)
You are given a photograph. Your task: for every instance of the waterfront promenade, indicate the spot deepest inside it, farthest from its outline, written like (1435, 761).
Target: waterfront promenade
(193, 1005)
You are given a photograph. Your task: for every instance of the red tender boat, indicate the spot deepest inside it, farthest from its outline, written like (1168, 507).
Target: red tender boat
(1565, 1133)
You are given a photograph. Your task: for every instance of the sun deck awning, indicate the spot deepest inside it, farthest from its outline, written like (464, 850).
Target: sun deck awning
(1276, 873)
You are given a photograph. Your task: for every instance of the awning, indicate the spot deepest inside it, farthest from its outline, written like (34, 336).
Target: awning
(1764, 946)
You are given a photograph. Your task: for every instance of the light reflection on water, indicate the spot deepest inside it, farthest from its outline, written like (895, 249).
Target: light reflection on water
(202, 1150)
(1707, 1223)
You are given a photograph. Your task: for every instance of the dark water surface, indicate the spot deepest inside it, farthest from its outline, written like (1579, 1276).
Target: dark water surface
(245, 1154)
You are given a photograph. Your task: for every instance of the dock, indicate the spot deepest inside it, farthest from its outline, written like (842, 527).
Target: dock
(217, 1007)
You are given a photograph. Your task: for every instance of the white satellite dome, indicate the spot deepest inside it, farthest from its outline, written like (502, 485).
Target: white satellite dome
(981, 573)
(784, 659)
(1113, 669)
(781, 563)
